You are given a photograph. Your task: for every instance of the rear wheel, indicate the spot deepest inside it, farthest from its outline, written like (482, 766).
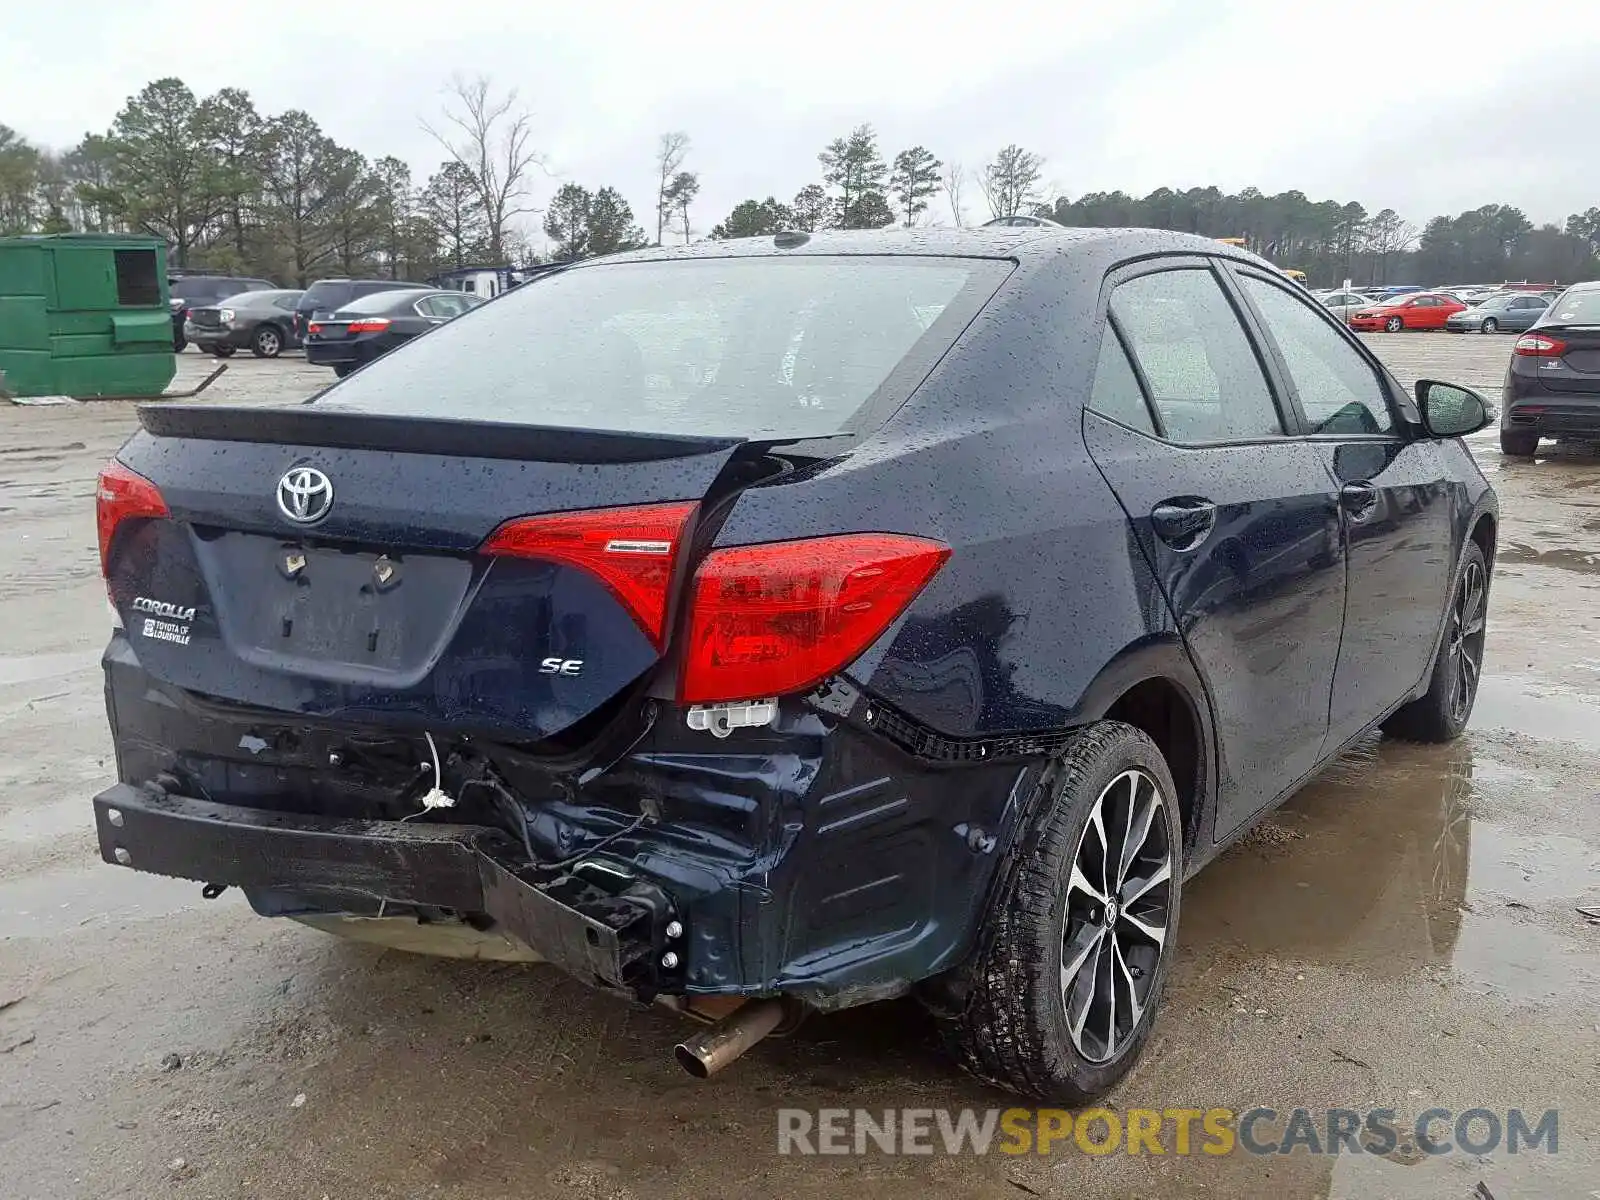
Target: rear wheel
(222, 351)
(1441, 714)
(340, 370)
(1518, 445)
(1490, 325)
(267, 343)
(1394, 324)
(1075, 949)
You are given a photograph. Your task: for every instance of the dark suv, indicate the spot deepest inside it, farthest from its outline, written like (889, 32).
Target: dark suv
(329, 295)
(198, 291)
(770, 626)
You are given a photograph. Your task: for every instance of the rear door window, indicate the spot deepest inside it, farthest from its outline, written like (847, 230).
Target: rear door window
(761, 346)
(1204, 376)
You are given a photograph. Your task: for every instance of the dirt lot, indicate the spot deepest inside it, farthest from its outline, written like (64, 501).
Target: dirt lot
(1405, 933)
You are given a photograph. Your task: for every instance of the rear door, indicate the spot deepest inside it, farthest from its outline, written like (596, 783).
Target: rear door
(1239, 521)
(1394, 498)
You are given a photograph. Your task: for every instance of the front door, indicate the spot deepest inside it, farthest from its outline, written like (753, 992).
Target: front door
(1395, 502)
(1239, 522)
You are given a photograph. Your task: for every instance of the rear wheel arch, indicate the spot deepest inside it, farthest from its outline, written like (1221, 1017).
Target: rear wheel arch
(1154, 688)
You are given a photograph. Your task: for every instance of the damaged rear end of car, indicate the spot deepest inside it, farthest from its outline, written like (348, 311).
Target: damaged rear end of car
(551, 637)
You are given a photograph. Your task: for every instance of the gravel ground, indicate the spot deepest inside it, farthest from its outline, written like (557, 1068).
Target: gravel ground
(1405, 932)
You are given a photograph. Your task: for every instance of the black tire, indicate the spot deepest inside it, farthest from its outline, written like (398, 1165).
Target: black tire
(267, 342)
(1490, 325)
(1394, 324)
(340, 370)
(1518, 445)
(1013, 1027)
(178, 343)
(223, 351)
(1442, 713)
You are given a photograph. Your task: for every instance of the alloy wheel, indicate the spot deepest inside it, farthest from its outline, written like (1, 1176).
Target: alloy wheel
(1119, 901)
(1394, 324)
(1467, 619)
(267, 340)
(1490, 325)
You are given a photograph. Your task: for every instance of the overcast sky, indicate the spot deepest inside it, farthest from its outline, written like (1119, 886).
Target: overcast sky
(1423, 107)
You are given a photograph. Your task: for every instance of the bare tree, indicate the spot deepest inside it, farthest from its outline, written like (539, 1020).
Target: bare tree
(955, 178)
(1009, 183)
(670, 153)
(491, 141)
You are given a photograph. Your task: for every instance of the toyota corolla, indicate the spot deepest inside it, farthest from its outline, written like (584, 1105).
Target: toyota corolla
(771, 626)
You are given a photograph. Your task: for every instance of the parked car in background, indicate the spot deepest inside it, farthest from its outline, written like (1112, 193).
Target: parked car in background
(190, 290)
(1342, 304)
(1552, 386)
(1415, 310)
(686, 621)
(327, 296)
(370, 326)
(1509, 311)
(262, 322)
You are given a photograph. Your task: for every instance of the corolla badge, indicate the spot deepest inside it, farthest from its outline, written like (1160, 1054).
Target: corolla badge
(305, 495)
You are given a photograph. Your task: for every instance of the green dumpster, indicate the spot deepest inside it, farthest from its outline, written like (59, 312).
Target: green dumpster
(85, 314)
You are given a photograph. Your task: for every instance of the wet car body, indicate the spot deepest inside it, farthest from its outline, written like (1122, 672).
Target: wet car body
(1512, 312)
(834, 841)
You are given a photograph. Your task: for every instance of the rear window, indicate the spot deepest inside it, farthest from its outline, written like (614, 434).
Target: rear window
(324, 297)
(377, 302)
(738, 347)
(1574, 308)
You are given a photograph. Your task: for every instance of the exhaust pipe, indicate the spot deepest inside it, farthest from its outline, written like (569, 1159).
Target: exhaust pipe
(706, 1053)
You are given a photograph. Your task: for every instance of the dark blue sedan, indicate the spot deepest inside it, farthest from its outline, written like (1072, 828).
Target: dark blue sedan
(770, 626)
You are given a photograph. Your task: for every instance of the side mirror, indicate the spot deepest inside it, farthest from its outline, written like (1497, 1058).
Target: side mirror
(1449, 411)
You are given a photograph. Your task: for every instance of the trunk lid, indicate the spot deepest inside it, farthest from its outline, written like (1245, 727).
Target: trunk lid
(1578, 367)
(387, 604)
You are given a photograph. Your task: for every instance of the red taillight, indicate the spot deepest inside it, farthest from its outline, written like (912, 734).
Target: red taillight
(1538, 345)
(371, 325)
(313, 328)
(122, 494)
(777, 618)
(631, 550)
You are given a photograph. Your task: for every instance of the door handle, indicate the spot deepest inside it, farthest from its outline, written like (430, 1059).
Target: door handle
(1183, 523)
(1360, 500)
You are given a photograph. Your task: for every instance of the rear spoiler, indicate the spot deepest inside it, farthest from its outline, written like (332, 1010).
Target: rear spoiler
(343, 429)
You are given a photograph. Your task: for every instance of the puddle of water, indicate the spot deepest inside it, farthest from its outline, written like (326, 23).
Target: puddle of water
(30, 668)
(1568, 559)
(1509, 702)
(1379, 865)
(43, 822)
(52, 903)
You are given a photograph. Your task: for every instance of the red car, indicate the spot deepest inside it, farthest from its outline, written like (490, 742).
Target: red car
(1415, 310)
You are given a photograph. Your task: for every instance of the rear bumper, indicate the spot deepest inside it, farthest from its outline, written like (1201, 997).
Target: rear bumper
(1529, 407)
(330, 354)
(591, 933)
(205, 335)
(814, 858)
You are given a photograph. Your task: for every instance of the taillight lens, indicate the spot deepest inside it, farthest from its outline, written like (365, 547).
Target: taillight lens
(121, 495)
(631, 550)
(373, 325)
(1539, 345)
(777, 618)
(313, 328)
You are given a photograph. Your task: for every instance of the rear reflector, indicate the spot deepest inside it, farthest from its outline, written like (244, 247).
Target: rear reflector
(121, 495)
(631, 550)
(371, 325)
(777, 618)
(1538, 345)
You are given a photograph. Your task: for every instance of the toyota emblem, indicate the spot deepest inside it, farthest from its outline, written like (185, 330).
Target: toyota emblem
(305, 495)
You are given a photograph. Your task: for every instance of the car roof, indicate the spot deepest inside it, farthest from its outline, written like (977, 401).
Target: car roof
(1033, 242)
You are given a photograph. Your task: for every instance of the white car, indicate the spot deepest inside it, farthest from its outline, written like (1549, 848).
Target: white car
(1342, 304)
